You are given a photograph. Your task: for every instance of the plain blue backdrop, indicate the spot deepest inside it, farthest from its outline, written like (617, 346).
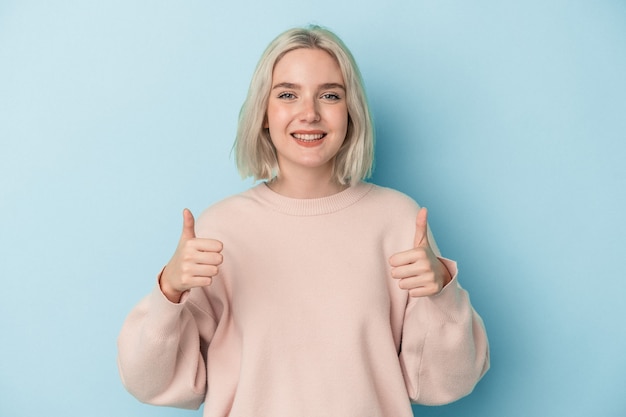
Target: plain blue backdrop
(506, 118)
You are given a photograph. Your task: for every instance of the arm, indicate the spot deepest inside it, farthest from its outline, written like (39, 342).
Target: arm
(444, 350)
(159, 353)
(160, 356)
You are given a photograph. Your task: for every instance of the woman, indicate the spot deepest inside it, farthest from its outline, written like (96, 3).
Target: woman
(313, 293)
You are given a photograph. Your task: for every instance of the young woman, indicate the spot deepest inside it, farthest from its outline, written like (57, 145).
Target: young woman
(313, 293)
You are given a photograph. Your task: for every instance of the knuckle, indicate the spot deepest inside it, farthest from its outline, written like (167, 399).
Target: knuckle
(215, 259)
(186, 269)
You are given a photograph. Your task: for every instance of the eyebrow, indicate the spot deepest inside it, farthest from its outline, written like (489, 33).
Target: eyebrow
(321, 87)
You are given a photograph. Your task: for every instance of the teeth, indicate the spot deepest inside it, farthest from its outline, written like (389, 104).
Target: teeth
(307, 137)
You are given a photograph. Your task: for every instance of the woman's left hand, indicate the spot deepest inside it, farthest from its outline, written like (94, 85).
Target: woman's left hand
(418, 270)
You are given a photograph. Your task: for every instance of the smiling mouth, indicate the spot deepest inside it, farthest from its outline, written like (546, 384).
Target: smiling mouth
(308, 137)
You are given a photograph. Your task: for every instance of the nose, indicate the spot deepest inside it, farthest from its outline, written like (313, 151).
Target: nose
(310, 111)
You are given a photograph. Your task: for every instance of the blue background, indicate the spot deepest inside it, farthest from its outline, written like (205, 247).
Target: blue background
(506, 118)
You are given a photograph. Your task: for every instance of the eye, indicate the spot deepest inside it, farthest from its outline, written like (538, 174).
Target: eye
(331, 96)
(286, 96)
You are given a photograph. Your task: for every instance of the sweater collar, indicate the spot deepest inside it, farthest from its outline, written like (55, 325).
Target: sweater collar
(312, 206)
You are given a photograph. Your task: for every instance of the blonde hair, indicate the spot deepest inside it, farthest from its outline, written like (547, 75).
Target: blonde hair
(255, 154)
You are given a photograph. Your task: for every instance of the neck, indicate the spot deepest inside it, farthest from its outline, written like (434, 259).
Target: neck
(305, 187)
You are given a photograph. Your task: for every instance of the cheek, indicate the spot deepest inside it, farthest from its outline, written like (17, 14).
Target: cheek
(340, 121)
(276, 117)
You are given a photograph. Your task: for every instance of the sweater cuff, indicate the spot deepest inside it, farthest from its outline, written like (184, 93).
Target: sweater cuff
(163, 314)
(452, 268)
(452, 300)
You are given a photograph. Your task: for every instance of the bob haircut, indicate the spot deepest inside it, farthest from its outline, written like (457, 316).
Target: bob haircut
(255, 154)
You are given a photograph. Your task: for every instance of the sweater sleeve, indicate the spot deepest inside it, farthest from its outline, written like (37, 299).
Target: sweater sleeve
(159, 352)
(444, 350)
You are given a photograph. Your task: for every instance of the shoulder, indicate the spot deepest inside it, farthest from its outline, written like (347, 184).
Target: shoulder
(226, 212)
(394, 220)
(393, 200)
(227, 205)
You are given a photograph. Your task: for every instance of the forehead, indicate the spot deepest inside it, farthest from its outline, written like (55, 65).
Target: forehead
(307, 64)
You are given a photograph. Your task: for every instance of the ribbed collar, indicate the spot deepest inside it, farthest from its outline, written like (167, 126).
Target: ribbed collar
(312, 206)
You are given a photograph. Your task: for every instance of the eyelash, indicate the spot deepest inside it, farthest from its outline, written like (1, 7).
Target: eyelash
(326, 96)
(286, 95)
(331, 96)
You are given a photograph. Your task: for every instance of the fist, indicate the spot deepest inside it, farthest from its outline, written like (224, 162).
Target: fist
(418, 270)
(194, 264)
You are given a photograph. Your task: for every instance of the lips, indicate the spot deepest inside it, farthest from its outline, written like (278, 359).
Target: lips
(308, 138)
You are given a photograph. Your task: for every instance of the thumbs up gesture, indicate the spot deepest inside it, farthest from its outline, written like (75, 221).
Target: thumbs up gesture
(418, 270)
(194, 264)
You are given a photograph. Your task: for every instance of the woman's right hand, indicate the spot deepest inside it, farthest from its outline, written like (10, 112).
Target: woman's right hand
(194, 264)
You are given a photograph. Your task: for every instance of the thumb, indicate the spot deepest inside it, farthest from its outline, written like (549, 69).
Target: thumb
(421, 229)
(188, 226)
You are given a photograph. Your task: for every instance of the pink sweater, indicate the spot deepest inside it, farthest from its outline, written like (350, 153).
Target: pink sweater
(304, 318)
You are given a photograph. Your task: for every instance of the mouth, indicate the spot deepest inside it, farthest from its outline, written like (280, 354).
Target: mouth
(308, 138)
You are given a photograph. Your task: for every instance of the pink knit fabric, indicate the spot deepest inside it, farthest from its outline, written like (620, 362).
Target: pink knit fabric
(304, 318)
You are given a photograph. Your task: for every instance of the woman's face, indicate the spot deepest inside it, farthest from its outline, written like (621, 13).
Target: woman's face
(307, 113)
